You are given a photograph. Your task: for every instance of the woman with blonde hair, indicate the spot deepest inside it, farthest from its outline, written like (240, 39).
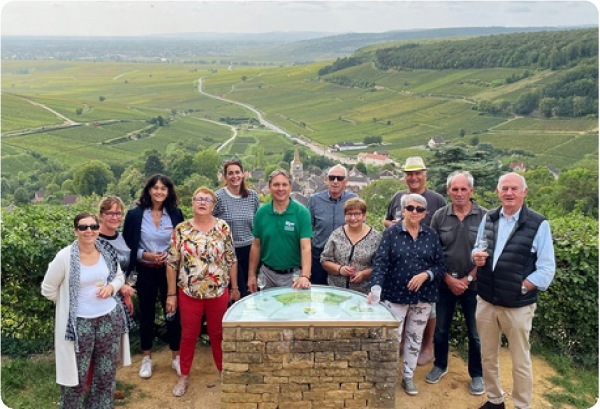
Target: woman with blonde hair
(200, 265)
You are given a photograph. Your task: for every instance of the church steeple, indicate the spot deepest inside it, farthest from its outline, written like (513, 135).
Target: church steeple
(296, 167)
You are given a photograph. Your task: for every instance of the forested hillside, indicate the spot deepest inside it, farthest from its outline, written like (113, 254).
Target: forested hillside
(573, 93)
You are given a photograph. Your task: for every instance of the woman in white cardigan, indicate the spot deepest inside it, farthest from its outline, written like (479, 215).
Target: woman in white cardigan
(91, 317)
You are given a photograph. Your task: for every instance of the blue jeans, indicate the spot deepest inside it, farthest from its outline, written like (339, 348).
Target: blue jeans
(445, 311)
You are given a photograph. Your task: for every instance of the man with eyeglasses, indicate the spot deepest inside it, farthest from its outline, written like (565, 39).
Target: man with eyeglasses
(415, 176)
(282, 234)
(327, 214)
(456, 224)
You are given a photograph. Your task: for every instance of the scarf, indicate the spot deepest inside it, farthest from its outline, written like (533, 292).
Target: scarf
(111, 258)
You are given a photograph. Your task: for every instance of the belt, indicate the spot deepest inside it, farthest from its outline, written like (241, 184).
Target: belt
(150, 265)
(286, 271)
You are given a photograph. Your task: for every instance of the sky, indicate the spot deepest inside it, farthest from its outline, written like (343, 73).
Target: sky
(139, 18)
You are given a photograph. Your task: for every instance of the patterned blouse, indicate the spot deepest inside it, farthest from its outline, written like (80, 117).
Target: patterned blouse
(202, 260)
(400, 257)
(340, 250)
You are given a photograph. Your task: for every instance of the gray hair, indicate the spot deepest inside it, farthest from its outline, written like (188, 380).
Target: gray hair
(414, 197)
(338, 166)
(501, 179)
(458, 173)
(278, 172)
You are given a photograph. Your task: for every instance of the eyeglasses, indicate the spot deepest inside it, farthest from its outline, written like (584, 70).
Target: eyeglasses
(114, 214)
(203, 200)
(356, 215)
(334, 177)
(411, 208)
(84, 227)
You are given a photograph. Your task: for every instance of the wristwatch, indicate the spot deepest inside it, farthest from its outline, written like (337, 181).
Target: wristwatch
(524, 290)
(469, 278)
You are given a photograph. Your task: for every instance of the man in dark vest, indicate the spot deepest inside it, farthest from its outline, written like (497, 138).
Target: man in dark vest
(518, 263)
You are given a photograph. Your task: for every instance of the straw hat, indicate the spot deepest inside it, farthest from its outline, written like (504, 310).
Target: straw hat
(414, 163)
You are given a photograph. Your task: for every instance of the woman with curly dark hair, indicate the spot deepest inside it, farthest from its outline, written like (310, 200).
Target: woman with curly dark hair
(147, 231)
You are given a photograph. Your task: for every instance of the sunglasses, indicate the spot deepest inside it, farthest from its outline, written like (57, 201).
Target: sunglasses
(203, 200)
(419, 209)
(339, 178)
(84, 227)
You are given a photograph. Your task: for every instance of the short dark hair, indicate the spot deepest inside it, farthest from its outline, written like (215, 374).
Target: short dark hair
(84, 215)
(172, 200)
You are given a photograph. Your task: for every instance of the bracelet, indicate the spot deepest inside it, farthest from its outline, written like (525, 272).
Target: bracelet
(171, 295)
(303, 276)
(340, 270)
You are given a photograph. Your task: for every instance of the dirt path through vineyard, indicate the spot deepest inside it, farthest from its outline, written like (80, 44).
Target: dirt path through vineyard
(205, 388)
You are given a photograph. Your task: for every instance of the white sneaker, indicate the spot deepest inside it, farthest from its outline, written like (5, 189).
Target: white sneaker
(146, 369)
(175, 365)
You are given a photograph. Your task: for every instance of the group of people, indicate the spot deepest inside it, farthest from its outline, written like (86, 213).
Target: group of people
(431, 256)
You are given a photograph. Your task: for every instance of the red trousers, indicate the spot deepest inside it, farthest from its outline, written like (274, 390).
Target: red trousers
(191, 311)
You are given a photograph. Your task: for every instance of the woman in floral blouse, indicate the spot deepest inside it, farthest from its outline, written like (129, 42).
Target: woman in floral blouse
(200, 266)
(349, 252)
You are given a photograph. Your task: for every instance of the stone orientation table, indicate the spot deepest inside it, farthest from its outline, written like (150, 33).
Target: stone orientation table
(311, 349)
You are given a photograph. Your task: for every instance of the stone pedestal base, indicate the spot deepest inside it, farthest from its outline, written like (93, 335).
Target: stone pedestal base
(309, 367)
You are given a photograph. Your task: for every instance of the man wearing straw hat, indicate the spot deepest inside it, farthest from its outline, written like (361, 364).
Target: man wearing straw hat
(415, 176)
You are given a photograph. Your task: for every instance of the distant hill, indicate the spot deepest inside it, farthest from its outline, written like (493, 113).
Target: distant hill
(227, 48)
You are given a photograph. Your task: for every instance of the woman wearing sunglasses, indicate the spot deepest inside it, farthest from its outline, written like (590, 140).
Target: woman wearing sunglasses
(91, 322)
(147, 231)
(200, 266)
(348, 254)
(237, 205)
(408, 266)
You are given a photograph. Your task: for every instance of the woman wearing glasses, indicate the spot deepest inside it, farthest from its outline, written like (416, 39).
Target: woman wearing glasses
(408, 266)
(110, 213)
(348, 254)
(200, 266)
(237, 205)
(147, 231)
(91, 318)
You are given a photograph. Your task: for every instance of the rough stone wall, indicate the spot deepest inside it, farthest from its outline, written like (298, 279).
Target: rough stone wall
(309, 368)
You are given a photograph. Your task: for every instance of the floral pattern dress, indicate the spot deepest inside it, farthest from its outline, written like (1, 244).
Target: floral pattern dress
(202, 259)
(340, 250)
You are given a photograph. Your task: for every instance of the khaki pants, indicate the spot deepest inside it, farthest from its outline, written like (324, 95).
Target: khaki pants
(515, 323)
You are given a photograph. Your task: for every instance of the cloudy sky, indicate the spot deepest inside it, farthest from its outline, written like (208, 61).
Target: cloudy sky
(95, 18)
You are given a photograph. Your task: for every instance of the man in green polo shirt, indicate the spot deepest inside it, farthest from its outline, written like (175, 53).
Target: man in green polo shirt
(282, 234)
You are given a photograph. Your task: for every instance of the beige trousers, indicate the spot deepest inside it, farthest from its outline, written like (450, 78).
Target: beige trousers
(515, 323)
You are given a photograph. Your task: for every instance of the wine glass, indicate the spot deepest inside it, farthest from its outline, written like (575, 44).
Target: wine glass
(132, 279)
(296, 276)
(482, 244)
(261, 281)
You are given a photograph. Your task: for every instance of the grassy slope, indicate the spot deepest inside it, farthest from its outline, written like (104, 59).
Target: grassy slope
(407, 109)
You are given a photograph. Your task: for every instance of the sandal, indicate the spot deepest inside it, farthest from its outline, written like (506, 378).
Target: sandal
(180, 388)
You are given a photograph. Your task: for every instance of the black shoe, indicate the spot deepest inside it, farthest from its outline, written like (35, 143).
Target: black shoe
(490, 405)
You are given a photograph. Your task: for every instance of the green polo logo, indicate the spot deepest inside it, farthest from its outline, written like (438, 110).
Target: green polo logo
(289, 226)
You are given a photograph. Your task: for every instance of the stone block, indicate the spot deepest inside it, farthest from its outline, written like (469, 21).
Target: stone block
(383, 356)
(276, 379)
(278, 347)
(228, 346)
(229, 334)
(349, 386)
(246, 378)
(246, 334)
(251, 346)
(268, 334)
(302, 334)
(241, 397)
(298, 361)
(314, 395)
(302, 346)
(324, 356)
(333, 364)
(355, 403)
(233, 388)
(235, 367)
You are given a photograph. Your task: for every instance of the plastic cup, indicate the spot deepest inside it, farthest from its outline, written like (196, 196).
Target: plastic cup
(375, 294)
